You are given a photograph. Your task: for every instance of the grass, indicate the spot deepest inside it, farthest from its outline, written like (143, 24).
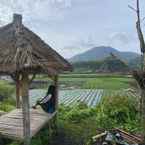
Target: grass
(7, 92)
(93, 81)
(113, 83)
(91, 75)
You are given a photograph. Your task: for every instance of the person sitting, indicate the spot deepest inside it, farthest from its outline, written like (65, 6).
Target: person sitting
(48, 102)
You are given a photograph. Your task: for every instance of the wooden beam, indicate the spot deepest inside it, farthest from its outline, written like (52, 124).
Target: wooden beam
(25, 108)
(54, 124)
(56, 91)
(18, 87)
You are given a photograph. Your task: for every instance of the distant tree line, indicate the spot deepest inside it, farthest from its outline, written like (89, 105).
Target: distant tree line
(106, 65)
(88, 66)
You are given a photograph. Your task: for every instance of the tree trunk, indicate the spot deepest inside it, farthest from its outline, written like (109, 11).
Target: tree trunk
(142, 48)
(143, 112)
(25, 108)
(143, 62)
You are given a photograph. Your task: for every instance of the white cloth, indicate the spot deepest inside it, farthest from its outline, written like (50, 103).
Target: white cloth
(46, 99)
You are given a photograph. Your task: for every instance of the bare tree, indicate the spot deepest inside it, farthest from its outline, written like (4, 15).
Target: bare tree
(140, 75)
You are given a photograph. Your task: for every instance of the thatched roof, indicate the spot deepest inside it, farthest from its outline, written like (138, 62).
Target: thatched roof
(20, 49)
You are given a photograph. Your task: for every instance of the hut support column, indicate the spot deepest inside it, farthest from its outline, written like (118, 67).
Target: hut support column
(56, 92)
(25, 109)
(18, 104)
(54, 124)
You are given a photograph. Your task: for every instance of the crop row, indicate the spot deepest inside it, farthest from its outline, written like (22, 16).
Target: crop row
(89, 96)
(71, 97)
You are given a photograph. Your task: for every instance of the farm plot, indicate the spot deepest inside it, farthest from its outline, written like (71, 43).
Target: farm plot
(71, 97)
(89, 96)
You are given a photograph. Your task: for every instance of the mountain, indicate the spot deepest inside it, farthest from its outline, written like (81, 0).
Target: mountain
(100, 53)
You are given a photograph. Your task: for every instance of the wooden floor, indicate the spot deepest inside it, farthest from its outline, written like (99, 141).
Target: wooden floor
(11, 124)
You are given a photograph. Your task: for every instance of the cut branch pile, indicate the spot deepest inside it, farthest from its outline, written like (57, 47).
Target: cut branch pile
(116, 136)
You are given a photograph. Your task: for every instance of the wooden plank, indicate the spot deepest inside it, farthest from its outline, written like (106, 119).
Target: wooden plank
(11, 126)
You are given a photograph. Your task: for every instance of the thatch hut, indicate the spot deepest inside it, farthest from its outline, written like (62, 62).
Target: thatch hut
(23, 55)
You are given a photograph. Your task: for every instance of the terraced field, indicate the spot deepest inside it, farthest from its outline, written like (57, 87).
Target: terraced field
(70, 97)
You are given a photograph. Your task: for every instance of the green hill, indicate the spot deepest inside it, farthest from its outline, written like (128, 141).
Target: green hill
(100, 53)
(113, 64)
(110, 64)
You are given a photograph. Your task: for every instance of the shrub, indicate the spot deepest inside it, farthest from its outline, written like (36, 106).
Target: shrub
(5, 106)
(6, 90)
(75, 126)
(7, 102)
(118, 111)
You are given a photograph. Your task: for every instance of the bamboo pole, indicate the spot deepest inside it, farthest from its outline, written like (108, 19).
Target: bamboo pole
(25, 108)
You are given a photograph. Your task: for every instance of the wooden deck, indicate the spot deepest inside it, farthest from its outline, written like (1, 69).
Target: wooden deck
(11, 124)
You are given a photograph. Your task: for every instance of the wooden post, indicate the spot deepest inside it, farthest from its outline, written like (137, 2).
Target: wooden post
(17, 24)
(25, 108)
(54, 124)
(16, 79)
(18, 87)
(56, 92)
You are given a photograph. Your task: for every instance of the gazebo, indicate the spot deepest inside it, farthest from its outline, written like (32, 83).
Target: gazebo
(23, 55)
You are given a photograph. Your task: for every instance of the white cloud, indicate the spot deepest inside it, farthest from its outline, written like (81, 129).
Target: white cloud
(37, 14)
(34, 9)
(120, 37)
(78, 45)
(63, 3)
(63, 23)
(124, 41)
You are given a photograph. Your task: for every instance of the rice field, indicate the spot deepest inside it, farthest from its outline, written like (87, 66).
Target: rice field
(71, 97)
(87, 88)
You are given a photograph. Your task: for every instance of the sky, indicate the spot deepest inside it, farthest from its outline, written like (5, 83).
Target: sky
(74, 26)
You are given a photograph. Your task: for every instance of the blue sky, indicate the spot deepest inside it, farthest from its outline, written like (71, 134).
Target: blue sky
(74, 26)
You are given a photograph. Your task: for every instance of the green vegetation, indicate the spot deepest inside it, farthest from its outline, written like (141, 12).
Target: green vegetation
(110, 64)
(136, 63)
(93, 66)
(80, 123)
(76, 125)
(6, 96)
(6, 90)
(7, 105)
(95, 81)
(87, 66)
(119, 111)
(113, 64)
(115, 83)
